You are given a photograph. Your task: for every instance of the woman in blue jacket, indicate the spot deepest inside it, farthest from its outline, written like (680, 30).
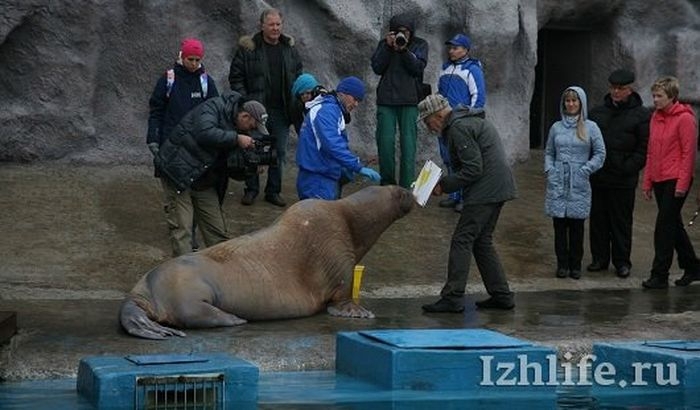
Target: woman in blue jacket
(575, 149)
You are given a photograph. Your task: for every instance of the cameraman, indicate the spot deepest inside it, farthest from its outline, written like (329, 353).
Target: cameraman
(192, 162)
(400, 60)
(323, 153)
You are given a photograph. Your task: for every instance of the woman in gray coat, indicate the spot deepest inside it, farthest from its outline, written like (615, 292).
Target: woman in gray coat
(575, 149)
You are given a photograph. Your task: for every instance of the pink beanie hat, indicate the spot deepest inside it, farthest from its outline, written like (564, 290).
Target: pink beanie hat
(192, 47)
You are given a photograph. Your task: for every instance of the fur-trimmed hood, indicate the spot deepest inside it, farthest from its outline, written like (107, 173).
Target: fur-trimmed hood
(252, 41)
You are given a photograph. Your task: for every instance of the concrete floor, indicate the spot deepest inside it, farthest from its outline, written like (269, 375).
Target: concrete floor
(82, 236)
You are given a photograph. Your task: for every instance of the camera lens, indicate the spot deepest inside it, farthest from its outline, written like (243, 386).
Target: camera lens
(400, 40)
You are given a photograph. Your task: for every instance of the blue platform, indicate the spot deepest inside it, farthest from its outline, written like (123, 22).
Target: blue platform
(670, 365)
(472, 360)
(112, 382)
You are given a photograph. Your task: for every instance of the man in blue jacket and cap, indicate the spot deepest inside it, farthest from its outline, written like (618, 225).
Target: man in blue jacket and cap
(323, 154)
(461, 81)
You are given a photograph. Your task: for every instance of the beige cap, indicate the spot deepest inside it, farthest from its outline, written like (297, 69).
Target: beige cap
(430, 105)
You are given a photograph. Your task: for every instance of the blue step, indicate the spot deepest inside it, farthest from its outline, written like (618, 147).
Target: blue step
(134, 382)
(662, 365)
(447, 360)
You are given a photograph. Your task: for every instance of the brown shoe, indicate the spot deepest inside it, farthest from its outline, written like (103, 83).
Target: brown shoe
(275, 199)
(248, 198)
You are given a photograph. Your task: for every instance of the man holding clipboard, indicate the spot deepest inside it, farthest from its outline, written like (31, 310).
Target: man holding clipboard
(482, 172)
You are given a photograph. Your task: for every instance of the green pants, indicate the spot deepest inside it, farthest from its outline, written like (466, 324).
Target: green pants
(181, 208)
(387, 118)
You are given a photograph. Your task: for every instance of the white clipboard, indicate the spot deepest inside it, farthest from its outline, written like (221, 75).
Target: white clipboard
(427, 179)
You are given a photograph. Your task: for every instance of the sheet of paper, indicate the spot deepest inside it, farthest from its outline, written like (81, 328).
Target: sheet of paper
(427, 179)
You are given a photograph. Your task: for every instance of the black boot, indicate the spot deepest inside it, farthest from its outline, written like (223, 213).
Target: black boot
(496, 303)
(656, 282)
(687, 278)
(444, 306)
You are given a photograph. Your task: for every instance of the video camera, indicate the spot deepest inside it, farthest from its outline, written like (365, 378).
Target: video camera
(244, 163)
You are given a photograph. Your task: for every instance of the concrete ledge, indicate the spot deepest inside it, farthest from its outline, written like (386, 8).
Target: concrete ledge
(447, 360)
(111, 382)
(8, 326)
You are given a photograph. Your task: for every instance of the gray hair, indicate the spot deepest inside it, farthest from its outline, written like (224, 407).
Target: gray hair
(267, 12)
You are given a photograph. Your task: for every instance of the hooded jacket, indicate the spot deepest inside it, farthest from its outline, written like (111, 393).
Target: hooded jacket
(478, 159)
(569, 162)
(673, 138)
(323, 141)
(165, 112)
(625, 128)
(249, 73)
(200, 143)
(401, 71)
(462, 82)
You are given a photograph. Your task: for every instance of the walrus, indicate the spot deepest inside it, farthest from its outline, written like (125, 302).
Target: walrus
(296, 267)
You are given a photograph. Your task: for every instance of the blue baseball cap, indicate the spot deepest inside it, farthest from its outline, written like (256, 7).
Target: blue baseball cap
(460, 40)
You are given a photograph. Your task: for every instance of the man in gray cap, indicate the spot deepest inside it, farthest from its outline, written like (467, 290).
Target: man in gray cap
(624, 122)
(193, 163)
(482, 172)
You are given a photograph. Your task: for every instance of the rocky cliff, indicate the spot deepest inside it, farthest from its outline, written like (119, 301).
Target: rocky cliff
(76, 75)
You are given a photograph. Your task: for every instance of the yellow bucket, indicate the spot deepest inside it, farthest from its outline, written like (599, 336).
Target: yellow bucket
(357, 280)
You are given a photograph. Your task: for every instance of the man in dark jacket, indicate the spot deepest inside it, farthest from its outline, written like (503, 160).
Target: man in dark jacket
(399, 59)
(264, 69)
(482, 172)
(192, 161)
(624, 122)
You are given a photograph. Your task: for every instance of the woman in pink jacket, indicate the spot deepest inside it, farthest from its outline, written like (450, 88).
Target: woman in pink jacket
(668, 175)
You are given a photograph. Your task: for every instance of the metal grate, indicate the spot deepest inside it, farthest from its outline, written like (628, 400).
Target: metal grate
(191, 392)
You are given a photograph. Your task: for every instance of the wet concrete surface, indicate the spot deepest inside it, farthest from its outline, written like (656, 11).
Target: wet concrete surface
(75, 238)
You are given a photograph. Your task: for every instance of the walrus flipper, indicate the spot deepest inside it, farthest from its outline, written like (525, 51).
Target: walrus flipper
(348, 308)
(135, 321)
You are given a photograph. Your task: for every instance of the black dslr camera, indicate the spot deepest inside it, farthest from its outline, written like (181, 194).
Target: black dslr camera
(401, 40)
(243, 163)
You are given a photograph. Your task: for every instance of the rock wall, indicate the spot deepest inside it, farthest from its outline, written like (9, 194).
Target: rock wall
(76, 75)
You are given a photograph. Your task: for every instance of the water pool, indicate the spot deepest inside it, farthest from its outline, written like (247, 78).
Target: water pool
(326, 390)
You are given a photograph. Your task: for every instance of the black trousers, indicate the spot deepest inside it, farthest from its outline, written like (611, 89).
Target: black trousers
(473, 235)
(610, 226)
(669, 232)
(568, 242)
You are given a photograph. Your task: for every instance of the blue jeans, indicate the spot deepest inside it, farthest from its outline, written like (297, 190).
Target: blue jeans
(278, 126)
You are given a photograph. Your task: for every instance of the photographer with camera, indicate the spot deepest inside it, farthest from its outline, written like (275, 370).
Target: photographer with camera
(193, 163)
(400, 59)
(323, 154)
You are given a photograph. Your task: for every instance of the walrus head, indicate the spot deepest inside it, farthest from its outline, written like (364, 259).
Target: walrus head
(405, 199)
(399, 201)
(370, 211)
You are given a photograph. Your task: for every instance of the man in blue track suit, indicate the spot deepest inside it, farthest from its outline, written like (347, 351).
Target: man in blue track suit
(323, 154)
